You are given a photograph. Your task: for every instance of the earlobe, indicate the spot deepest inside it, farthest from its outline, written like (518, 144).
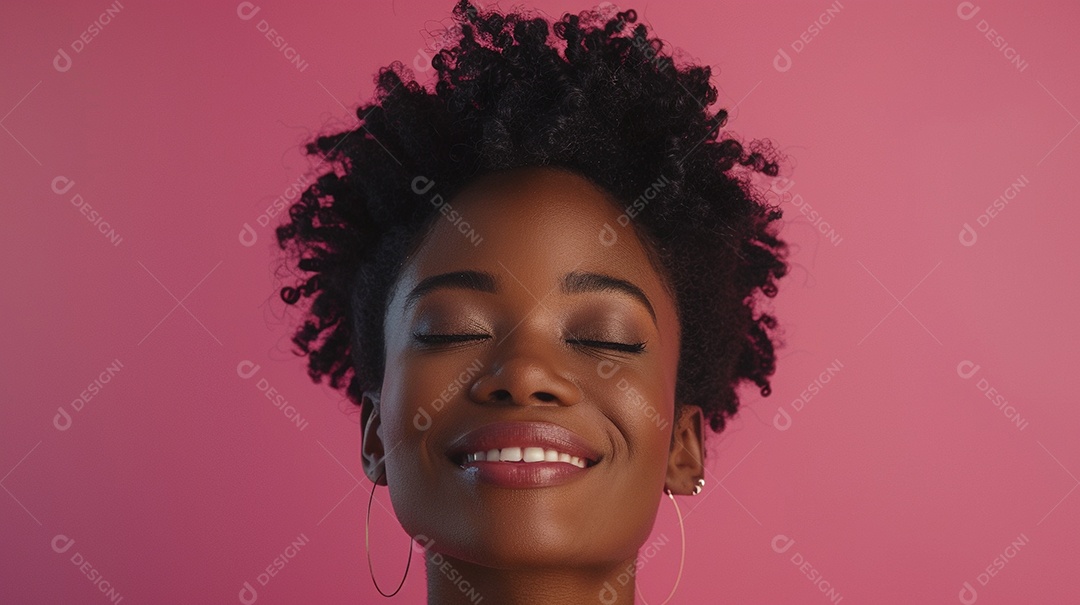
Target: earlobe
(686, 461)
(372, 452)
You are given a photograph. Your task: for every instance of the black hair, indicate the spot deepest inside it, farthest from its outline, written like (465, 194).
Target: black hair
(590, 93)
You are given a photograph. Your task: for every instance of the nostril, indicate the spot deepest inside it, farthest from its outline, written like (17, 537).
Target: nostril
(545, 397)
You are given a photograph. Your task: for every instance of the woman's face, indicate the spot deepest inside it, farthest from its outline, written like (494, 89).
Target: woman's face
(522, 308)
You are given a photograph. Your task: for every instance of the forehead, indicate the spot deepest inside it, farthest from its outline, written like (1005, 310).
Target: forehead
(535, 224)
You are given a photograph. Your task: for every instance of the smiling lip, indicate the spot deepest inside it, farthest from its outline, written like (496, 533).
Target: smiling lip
(501, 435)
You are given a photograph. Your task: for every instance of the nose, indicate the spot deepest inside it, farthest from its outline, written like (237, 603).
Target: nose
(524, 373)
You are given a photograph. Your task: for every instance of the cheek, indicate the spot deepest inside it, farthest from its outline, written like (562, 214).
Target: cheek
(640, 408)
(407, 419)
(401, 419)
(418, 396)
(647, 416)
(640, 403)
(423, 387)
(404, 421)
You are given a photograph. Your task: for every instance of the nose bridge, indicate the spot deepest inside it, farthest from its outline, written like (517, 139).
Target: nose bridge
(529, 368)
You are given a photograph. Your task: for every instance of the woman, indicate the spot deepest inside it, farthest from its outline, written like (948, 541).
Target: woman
(539, 279)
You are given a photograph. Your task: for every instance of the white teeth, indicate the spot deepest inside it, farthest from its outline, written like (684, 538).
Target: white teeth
(528, 454)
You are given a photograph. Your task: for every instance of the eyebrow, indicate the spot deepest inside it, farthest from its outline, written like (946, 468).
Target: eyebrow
(576, 282)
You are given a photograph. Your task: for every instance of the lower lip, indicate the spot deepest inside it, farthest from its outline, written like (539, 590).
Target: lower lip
(521, 475)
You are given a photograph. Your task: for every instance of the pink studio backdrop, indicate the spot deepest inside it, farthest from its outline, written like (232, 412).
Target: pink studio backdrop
(920, 443)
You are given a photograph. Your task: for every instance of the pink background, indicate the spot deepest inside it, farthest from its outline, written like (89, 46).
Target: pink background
(899, 481)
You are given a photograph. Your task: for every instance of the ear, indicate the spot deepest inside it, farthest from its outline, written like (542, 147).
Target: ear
(372, 452)
(686, 461)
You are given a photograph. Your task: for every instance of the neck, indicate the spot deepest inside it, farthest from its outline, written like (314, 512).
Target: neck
(455, 582)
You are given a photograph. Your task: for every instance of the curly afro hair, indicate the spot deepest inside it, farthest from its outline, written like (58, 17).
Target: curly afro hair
(590, 93)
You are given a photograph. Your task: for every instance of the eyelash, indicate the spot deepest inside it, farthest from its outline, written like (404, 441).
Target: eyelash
(636, 347)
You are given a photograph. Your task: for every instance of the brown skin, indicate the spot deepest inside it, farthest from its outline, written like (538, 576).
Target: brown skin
(555, 544)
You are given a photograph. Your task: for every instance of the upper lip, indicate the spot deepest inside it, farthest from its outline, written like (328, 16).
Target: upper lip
(498, 435)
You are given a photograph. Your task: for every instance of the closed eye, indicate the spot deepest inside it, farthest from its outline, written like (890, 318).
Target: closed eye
(447, 338)
(635, 347)
(433, 339)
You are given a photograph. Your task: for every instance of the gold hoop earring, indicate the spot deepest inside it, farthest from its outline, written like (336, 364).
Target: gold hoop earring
(367, 547)
(682, 552)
